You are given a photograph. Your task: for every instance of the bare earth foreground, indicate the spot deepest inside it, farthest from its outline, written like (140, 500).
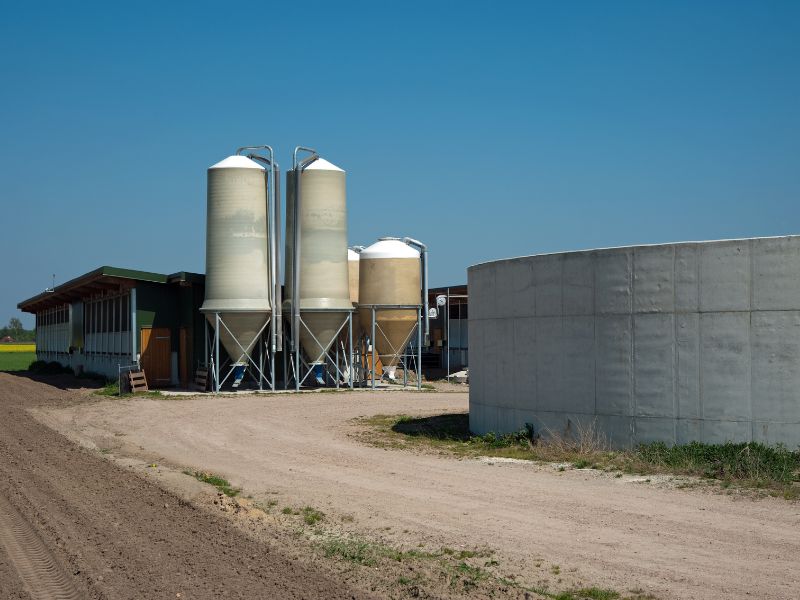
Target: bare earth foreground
(576, 527)
(74, 525)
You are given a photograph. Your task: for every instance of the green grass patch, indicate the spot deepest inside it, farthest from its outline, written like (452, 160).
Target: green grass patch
(746, 462)
(355, 551)
(368, 553)
(594, 593)
(111, 389)
(312, 516)
(16, 361)
(745, 465)
(449, 563)
(591, 593)
(223, 485)
(460, 570)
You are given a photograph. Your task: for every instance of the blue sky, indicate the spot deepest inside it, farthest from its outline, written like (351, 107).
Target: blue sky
(487, 130)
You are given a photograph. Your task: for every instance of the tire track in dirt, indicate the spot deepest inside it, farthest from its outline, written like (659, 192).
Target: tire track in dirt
(33, 562)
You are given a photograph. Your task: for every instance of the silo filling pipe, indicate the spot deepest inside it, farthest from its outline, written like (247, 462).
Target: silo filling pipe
(274, 234)
(424, 250)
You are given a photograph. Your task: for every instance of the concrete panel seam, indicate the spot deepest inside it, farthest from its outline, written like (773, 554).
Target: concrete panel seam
(750, 338)
(700, 400)
(633, 403)
(594, 312)
(675, 392)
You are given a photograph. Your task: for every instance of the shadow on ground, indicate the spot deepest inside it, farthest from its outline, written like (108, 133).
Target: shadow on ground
(439, 427)
(62, 381)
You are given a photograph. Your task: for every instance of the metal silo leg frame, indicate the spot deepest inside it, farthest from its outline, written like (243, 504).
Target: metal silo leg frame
(216, 364)
(375, 329)
(331, 356)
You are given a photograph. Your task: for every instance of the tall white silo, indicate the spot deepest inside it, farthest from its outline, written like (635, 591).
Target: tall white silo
(322, 282)
(237, 284)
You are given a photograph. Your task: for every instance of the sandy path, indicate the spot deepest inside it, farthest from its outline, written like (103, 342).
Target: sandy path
(597, 529)
(76, 525)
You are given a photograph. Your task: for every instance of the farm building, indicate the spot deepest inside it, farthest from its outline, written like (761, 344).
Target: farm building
(449, 349)
(108, 317)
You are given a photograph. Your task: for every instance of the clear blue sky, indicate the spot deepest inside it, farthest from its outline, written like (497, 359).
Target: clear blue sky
(487, 130)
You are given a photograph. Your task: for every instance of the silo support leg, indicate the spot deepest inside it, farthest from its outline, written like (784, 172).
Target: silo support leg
(419, 350)
(350, 346)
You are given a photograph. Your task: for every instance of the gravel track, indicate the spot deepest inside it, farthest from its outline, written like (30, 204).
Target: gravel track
(591, 528)
(76, 525)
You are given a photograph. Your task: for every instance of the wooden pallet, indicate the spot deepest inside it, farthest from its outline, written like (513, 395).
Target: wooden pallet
(200, 383)
(137, 381)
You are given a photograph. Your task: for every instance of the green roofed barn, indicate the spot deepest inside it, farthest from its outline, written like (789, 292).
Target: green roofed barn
(111, 316)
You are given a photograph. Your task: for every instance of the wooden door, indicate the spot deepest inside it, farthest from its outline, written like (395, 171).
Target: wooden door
(156, 355)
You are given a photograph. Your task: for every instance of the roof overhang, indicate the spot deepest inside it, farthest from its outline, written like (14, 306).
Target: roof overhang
(99, 281)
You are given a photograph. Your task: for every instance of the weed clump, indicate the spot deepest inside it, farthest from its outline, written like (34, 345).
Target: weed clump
(355, 551)
(506, 440)
(312, 516)
(223, 485)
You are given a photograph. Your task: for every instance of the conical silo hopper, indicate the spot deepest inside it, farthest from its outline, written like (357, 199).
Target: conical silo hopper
(237, 254)
(324, 295)
(389, 274)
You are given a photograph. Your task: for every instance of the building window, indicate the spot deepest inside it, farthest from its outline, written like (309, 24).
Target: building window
(107, 324)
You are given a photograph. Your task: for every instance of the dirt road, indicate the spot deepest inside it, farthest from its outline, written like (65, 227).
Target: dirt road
(73, 525)
(620, 533)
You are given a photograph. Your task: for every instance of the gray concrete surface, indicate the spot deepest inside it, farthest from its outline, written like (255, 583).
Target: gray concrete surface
(674, 342)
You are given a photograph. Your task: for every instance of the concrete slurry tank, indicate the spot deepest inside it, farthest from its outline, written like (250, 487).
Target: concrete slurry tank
(389, 274)
(692, 341)
(237, 253)
(324, 294)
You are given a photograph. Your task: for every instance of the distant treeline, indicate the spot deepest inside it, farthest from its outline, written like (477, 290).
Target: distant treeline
(16, 331)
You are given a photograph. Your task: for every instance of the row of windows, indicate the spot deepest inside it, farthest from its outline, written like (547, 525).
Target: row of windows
(107, 315)
(53, 316)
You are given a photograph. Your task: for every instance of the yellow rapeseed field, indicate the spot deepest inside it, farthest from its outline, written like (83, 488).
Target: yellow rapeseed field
(17, 347)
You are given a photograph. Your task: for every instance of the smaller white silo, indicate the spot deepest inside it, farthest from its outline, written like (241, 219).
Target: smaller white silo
(389, 275)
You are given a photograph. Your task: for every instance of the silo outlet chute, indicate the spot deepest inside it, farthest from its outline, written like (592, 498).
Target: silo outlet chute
(240, 272)
(317, 278)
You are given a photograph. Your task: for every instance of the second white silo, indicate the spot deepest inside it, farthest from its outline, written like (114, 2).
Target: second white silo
(322, 285)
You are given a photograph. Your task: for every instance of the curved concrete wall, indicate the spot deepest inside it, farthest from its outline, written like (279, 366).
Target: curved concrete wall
(674, 342)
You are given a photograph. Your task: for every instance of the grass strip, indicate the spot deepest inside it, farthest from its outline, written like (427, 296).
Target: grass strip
(752, 464)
